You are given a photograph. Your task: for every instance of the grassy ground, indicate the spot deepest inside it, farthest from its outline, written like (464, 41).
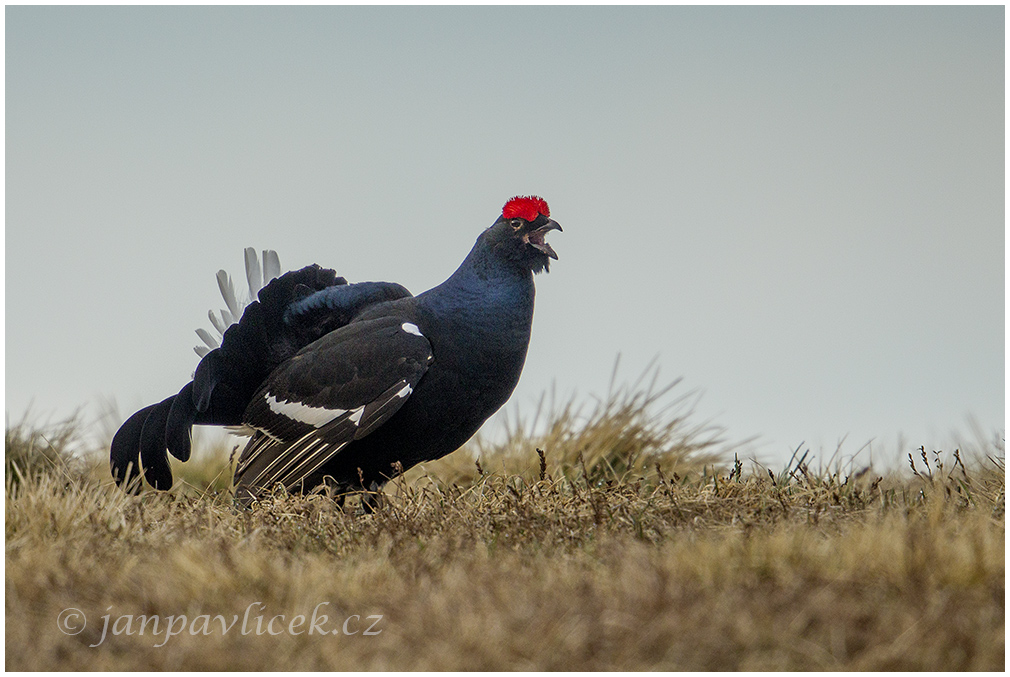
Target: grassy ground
(624, 546)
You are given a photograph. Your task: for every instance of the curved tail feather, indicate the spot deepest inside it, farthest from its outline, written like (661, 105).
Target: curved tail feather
(181, 418)
(124, 456)
(226, 377)
(153, 459)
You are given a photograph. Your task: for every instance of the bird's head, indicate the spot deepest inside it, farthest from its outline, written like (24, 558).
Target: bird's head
(519, 233)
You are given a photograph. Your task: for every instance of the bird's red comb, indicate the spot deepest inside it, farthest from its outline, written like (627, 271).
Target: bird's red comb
(527, 207)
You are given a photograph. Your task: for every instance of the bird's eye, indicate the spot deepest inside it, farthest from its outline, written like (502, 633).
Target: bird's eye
(517, 223)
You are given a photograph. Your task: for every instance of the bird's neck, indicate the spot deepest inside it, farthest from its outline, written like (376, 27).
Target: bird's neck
(486, 289)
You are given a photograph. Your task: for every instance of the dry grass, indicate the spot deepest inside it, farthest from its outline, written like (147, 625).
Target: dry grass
(621, 547)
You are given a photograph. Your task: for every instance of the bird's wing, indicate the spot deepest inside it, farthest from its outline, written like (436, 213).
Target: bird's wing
(337, 389)
(313, 315)
(292, 311)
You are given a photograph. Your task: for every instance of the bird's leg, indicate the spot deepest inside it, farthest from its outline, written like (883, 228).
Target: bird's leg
(371, 498)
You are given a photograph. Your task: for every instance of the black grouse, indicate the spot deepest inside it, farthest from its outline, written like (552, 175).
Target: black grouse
(346, 384)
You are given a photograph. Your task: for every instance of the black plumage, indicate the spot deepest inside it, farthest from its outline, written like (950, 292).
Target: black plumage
(346, 384)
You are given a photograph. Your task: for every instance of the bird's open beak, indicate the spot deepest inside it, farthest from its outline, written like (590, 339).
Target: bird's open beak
(536, 238)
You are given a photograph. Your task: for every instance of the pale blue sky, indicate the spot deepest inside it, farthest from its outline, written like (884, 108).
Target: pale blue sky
(800, 211)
